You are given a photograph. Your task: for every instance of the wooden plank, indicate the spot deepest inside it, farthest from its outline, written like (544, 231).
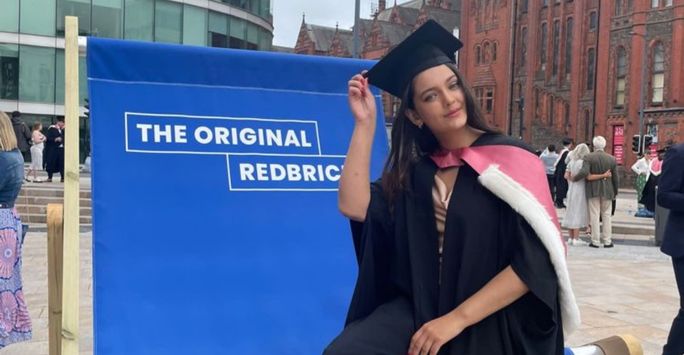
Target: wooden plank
(55, 242)
(70, 294)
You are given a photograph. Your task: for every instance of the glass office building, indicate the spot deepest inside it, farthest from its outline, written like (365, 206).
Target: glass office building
(32, 41)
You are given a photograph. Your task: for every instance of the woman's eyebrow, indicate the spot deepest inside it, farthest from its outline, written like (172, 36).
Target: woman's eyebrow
(432, 88)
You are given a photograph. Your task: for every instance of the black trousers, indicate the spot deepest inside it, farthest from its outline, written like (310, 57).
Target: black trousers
(552, 185)
(561, 189)
(675, 341)
(387, 331)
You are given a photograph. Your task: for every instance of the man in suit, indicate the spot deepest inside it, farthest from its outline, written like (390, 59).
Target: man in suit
(600, 171)
(671, 196)
(561, 166)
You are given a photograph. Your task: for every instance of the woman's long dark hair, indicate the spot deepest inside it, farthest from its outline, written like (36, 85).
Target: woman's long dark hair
(410, 143)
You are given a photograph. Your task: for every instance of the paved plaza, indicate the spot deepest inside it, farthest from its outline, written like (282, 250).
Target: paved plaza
(629, 289)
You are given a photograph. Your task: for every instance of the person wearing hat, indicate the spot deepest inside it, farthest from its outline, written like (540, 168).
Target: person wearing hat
(458, 244)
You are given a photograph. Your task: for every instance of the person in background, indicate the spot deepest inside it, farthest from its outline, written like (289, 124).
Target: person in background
(15, 323)
(648, 196)
(671, 196)
(577, 213)
(600, 170)
(561, 181)
(642, 170)
(38, 140)
(23, 135)
(549, 158)
(54, 149)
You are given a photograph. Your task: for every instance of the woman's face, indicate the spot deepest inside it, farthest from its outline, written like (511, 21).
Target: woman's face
(439, 101)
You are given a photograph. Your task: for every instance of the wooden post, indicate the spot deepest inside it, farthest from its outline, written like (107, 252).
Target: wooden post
(70, 295)
(55, 240)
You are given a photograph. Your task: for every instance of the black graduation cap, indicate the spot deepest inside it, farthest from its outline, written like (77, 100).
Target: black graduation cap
(429, 46)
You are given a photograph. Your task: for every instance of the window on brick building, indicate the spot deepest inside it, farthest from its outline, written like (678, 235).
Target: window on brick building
(556, 47)
(668, 2)
(568, 46)
(537, 103)
(587, 125)
(593, 19)
(494, 51)
(655, 3)
(478, 54)
(489, 100)
(618, 7)
(486, 53)
(566, 118)
(523, 46)
(479, 94)
(658, 79)
(545, 3)
(591, 68)
(523, 6)
(542, 40)
(621, 77)
(552, 110)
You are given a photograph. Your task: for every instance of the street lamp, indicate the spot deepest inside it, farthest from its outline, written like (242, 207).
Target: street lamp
(643, 84)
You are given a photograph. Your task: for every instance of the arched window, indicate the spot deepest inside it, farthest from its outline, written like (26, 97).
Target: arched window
(556, 47)
(478, 54)
(487, 54)
(494, 51)
(542, 40)
(566, 119)
(591, 68)
(621, 77)
(568, 45)
(658, 76)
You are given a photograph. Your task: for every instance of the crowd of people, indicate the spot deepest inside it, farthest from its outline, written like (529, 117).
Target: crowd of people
(44, 151)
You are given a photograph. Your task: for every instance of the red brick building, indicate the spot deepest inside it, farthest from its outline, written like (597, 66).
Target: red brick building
(388, 27)
(574, 68)
(546, 69)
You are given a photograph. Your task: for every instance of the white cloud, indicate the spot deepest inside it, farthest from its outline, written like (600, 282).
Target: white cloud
(287, 16)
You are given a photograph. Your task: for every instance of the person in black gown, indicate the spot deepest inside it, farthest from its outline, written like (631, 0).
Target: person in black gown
(480, 279)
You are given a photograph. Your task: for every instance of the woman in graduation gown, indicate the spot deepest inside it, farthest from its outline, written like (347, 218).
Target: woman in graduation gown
(458, 244)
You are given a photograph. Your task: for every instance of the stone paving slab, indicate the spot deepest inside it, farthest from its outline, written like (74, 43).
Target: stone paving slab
(629, 289)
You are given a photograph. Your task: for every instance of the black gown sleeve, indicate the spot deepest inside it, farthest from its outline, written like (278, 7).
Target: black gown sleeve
(373, 251)
(531, 262)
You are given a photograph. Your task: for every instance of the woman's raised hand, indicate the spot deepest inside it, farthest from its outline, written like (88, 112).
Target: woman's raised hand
(361, 100)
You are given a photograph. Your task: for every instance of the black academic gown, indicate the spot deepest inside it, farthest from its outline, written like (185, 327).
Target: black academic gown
(397, 255)
(561, 182)
(648, 196)
(53, 154)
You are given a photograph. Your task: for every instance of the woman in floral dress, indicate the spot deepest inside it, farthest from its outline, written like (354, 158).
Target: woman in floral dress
(15, 324)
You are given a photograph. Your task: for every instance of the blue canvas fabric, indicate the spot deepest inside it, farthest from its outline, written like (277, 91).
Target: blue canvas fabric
(215, 223)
